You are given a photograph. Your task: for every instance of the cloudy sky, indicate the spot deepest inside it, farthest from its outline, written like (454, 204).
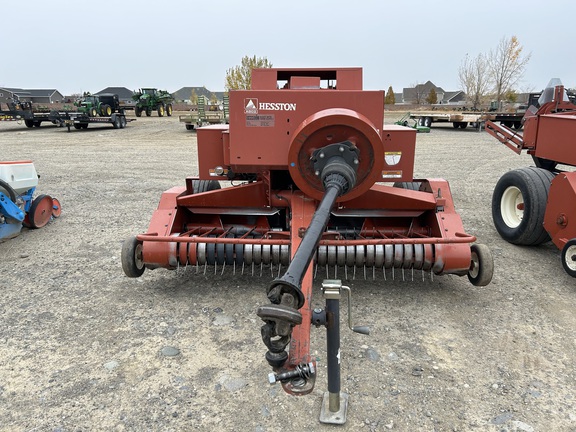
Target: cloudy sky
(75, 46)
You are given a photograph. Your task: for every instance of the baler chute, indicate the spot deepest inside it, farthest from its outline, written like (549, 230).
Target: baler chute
(322, 187)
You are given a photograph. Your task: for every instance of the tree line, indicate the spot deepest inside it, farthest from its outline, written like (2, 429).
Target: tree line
(494, 74)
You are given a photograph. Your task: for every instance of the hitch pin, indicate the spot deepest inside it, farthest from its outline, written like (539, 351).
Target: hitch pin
(305, 370)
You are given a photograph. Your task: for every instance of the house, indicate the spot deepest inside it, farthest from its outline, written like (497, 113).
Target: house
(185, 94)
(39, 96)
(419, 93)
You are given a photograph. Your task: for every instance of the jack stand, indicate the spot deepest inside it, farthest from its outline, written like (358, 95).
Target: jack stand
(335, 402)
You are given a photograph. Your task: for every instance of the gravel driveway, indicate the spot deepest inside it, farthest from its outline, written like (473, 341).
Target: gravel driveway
(83, 347)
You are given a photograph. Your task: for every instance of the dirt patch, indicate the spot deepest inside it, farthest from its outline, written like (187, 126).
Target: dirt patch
(86, 348)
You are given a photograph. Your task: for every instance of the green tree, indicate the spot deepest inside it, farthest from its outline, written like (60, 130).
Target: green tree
(239, 77)
(390, 99)
(432, 97)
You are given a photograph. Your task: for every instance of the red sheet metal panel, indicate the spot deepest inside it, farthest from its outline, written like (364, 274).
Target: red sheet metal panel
(556, 138)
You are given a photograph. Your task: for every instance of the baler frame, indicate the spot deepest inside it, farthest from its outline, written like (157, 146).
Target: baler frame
(318, 179)
(529, 205)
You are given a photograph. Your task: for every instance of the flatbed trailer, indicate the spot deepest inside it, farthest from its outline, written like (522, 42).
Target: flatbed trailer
(81, 120)
(194, 120)
(462, 119)
(22, 112)
(206, 116)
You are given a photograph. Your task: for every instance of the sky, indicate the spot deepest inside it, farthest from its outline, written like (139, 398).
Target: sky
(75, 46)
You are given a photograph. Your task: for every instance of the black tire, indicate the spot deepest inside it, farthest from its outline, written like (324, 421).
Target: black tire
(106, 110)
(517, 125)
(546, 164)
(519, 203)
(138, 112)
(132, 263)
(11, 192)
(463, 125)
(123, 122)
(148, 112)
(39, 220)
(189, 127)
(84, 125)
(481, 265)
(93, 112)
(37, 123)
(169, 110)
(456, 125)
(200, 186)
(161, 110)
(569, 257)
(408, 185)
(428, 121)
(77, 126)
(116, 123)
(29, 123)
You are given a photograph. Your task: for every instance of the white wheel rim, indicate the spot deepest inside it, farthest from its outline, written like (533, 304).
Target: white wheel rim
(138, 260)
(474, 266)
(570, 258)
(512, 207)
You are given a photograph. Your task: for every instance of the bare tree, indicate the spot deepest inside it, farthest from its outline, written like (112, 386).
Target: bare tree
(506, 64)
(419, 93)
(475, 79)
(239, 77)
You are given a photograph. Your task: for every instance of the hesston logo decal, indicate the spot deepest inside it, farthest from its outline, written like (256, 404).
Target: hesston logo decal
(252, 106)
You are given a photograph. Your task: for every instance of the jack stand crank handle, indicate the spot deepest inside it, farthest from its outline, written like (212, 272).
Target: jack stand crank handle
(357, 329)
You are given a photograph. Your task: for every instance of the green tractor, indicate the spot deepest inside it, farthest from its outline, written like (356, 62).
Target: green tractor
(151, 99)
(102, 105)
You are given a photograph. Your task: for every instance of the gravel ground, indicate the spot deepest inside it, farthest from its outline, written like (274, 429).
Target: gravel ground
(83, 347)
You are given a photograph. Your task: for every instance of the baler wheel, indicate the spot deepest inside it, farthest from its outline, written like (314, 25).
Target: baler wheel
(205, 185)
(132, 262)
(408, 185)
(519, 203)
(481, 265)
(40, 211)
(569, 257)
